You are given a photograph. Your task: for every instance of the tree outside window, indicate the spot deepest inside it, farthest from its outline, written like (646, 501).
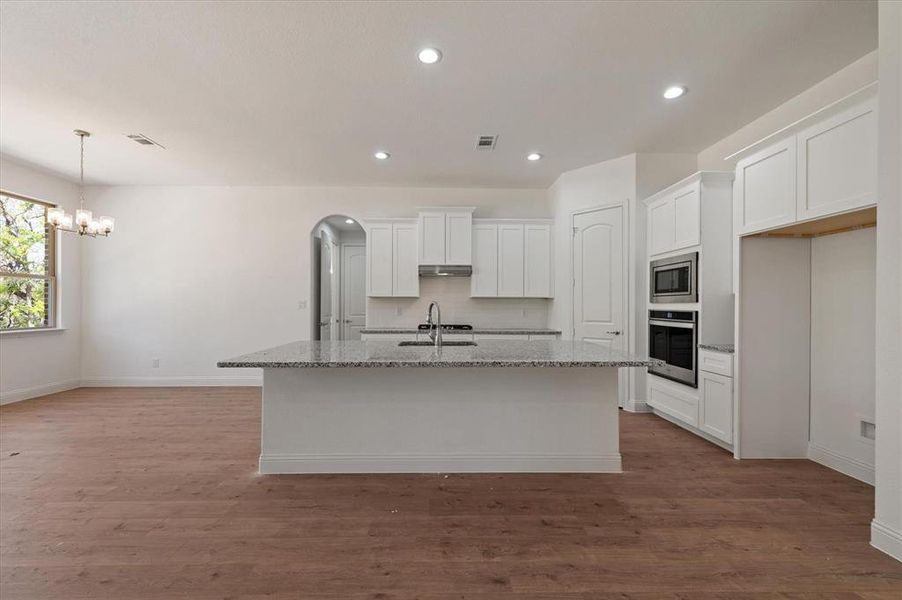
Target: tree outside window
(27, 265)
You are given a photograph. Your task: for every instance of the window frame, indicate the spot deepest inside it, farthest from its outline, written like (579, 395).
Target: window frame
(50, 274)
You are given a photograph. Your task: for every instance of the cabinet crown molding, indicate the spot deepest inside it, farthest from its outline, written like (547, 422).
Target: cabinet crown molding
(721, 177)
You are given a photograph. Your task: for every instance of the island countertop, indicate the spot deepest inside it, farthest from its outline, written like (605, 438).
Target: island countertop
(338, 354)
(475, 331)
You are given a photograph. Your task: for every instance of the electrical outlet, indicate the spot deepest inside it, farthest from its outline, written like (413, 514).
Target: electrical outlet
(155, 363)
(302, 304)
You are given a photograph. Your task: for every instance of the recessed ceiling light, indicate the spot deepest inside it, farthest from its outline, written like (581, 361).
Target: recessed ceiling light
(382, 155)
(349, 221)
(674, 91)
(429, 56)
(533, 156)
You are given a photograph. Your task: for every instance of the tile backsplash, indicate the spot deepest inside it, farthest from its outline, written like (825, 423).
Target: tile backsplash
(453, 294)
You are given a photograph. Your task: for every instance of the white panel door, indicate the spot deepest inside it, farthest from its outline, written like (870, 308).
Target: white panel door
(687, 217)
(432, 238)
(484, 280)
(598, 277)
(537, 268)
(380, 244)
(660, 226)
(715, 410)
(766, 188)
(405, 274)
(838, 163)
(353, 290)
(510, 261)
(458, 244)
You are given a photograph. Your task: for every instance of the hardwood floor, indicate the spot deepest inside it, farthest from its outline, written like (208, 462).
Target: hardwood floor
(153, 493)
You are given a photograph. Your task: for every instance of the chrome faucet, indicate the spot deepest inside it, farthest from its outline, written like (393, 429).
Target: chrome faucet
(435, 332)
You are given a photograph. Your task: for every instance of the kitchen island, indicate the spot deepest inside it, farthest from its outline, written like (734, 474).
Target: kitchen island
(499, 406)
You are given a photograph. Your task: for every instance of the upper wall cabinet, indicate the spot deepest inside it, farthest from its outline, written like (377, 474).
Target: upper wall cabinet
(674, 220)
(511, 259)
(445, 236)
(766, 188)
(391, 250)
(838, 163)
(828, 168)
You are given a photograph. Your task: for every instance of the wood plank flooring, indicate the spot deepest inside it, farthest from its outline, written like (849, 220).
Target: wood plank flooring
(153, 494)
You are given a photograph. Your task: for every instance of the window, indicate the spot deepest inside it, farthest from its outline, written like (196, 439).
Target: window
(27, 264)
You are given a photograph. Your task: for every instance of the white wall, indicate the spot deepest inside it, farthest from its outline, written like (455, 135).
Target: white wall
(37, 363)
(197, 274)
(453, 294)
(621, 181)
(842, 350)
(842, 83)
(886, 529)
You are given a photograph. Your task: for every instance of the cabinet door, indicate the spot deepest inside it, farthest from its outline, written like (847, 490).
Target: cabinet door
(458, 244)
(484, 280)
(660, 226)
(837, 161)
(766, 188)
(406, 276)
(379, 247)
(432, 238)
(510, 261)
(687, 217)
(537, 257)
(715, 410)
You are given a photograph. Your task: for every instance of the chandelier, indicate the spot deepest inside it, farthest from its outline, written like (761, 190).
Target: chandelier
(84, 222)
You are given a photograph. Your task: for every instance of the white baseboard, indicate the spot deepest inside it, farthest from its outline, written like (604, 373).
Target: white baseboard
(709, 438)
(210, 380)
(38, 390)
(886, 539)
(845, 465)
(637, 406)
(439, 463)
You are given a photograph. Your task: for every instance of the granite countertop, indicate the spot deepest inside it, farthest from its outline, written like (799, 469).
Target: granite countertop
(476, 330)
(725, 348)
(500, 353)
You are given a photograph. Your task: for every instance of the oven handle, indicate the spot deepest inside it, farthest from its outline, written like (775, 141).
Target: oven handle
(679, 324)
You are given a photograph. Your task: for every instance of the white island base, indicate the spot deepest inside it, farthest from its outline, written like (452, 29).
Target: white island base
(440, 419)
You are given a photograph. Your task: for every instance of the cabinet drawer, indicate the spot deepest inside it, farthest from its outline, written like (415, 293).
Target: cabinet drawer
(715, 362)
(672, 401)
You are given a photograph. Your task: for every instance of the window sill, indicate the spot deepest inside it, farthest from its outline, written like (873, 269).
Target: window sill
(18, 332)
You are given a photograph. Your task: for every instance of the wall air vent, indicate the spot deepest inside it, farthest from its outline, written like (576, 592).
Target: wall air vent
(486, 142)
(143, 140)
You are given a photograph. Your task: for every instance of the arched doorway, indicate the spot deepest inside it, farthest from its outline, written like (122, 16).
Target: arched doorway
(338, 268)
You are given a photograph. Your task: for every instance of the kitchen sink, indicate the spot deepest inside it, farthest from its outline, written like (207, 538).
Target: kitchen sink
(448, 343)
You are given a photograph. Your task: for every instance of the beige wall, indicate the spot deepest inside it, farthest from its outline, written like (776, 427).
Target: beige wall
(842, 83)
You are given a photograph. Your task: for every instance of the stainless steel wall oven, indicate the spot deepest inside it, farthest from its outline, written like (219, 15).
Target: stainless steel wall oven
(672, 338)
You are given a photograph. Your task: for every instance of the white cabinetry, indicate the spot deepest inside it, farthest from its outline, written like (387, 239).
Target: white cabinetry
(445, 236)
(837, 163)
(715, 409)
(537, 267)
(766, 188)
(484, 280)
(391, 250)
(674, 219)
(830, 167)
(512, 259)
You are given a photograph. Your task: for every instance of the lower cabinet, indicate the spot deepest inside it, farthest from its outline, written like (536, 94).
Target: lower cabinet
(715, 408)
(707, 409)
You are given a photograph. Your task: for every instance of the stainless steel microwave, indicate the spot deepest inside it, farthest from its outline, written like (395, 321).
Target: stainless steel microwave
(674, 279)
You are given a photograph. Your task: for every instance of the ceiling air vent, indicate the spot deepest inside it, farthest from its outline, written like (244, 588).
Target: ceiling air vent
(143, 140)
(486, 142)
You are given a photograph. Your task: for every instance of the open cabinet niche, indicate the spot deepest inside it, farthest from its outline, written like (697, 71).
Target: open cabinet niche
(805, 348)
